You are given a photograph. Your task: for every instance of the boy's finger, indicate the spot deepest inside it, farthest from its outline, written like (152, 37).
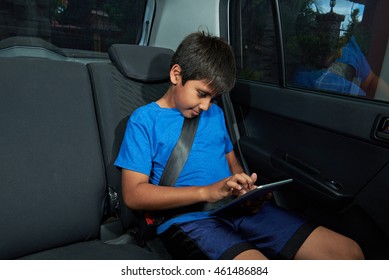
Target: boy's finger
(234, 185)
(244, 179)
(254, 177)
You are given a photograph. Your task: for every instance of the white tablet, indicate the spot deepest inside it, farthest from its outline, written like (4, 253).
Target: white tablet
(253, 194)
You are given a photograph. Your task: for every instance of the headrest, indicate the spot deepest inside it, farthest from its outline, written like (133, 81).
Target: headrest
(142, 63)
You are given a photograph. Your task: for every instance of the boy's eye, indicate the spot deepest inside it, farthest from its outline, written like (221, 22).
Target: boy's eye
(201, 94)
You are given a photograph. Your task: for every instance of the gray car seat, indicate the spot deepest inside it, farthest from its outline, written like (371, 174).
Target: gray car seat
(52, 175)
(137, 76)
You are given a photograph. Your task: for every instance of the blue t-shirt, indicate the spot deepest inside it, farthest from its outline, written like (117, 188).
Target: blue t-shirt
(151, 134)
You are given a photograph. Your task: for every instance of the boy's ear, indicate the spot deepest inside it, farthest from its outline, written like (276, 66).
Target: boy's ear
(175, 74)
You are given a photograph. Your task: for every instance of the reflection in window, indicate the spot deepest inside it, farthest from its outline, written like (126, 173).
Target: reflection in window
(253, 39)
(330, 45)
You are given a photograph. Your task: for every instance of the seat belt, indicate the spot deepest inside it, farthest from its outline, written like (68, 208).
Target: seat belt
(180, 152)
(147, 228)
(173, 169)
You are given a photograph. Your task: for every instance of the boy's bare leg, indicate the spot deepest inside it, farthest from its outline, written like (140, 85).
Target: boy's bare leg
(250, 255)
(325, 244)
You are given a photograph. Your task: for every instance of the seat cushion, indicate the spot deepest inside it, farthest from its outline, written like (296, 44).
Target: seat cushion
(94, 250)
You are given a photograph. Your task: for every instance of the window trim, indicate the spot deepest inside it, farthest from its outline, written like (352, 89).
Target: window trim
(148, 20)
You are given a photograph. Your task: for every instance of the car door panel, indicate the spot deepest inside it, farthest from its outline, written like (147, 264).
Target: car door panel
(325, 142)
(298, 117)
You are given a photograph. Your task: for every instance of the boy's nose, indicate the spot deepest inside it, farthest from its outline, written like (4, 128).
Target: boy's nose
(205, 104)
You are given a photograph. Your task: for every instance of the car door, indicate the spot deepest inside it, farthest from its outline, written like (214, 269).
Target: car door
(333, 143)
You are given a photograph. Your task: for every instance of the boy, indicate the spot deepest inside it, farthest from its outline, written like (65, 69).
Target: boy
(202, 68)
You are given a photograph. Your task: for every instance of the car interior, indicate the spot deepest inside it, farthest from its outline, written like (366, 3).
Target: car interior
(65, 102)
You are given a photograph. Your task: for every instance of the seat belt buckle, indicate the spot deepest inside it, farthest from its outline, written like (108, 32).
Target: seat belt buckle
(150, 220)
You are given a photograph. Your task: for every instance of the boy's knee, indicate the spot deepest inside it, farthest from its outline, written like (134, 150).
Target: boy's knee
(354, 251)
(348, 249)
(325, 244)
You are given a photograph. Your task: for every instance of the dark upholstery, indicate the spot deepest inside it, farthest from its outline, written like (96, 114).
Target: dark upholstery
(93, 250)
(118, 94)
(52, 175)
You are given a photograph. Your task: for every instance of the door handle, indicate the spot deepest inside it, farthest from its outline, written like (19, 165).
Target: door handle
(313, 181)
(382, 128)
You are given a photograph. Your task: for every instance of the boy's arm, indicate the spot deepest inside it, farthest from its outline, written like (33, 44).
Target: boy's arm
(139, 194)
(233, 163)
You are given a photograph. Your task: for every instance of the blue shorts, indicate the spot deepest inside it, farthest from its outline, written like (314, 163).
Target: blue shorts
(276, 233)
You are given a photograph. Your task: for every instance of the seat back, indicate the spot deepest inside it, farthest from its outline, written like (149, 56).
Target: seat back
(137, 76)
(52, 172)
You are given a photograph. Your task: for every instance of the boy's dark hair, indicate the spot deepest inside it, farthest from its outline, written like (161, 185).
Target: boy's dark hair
(206, 57)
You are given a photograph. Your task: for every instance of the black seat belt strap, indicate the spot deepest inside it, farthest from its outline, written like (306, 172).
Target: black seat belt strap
(174, 165)
(180, 152)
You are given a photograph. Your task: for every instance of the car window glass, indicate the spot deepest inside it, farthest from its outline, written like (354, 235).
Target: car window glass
(337, 46)
(253, 40)
(87, 25)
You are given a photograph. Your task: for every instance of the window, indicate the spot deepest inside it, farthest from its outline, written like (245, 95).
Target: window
(254, 41)
(337, 46)
(332, 46)
(88, 25)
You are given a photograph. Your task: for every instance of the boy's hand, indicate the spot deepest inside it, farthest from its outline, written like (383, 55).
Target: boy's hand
(241, 183)
(237, 184)
(254, 205)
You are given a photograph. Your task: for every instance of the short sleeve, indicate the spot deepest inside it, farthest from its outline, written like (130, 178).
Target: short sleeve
(135, 151)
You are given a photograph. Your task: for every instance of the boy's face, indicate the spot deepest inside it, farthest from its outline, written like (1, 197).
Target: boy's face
(192, 98)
